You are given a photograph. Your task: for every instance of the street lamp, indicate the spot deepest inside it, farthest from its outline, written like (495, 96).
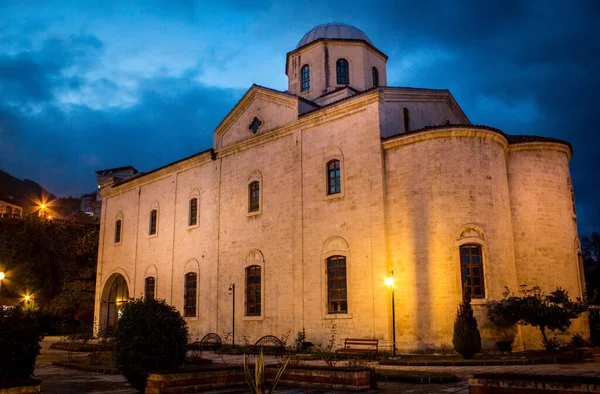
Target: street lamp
(231, 292)
(2, 276)
(390, 282)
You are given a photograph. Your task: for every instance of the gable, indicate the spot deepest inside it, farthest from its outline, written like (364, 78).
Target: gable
(259, 111)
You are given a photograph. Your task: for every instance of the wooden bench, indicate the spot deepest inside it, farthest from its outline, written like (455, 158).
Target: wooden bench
(269, 344)
(360, 346)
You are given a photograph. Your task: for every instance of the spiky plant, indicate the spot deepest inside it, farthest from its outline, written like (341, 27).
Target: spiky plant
(257, 384)
(466, 339)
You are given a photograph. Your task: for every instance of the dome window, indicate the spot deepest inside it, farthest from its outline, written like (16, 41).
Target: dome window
(375, 77)
(343, 72)
(305, 74)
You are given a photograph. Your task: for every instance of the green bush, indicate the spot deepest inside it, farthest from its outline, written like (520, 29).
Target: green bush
(466, 339)
(150, 335)
(20, 337)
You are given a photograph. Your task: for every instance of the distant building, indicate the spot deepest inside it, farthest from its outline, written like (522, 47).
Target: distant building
(311, 197)
(91, 204)
(10, 208)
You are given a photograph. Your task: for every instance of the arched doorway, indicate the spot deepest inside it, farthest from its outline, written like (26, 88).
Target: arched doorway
(116, 294)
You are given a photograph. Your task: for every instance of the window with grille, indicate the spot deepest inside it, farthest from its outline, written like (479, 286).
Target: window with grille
(153, 219)
(118, 231)
(193, 214)
(334, 184)
(149, 285)
(253, 296)
(375, 77)
(189, 305)
(343, 73)
(471, 267)
(254, 196)
(305, 75)
(337, 294)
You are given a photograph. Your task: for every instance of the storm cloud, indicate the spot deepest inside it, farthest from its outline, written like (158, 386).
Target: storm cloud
(85, 86)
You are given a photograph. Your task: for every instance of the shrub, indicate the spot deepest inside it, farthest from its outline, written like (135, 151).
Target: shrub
(553, 311)
(150, 335)
(579, 341)
(466, 339)
(20, 336)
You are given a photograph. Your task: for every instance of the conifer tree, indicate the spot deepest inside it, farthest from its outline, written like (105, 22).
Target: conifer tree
(466, 339)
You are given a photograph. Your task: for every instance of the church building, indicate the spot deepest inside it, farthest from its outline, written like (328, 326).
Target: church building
(310, 198)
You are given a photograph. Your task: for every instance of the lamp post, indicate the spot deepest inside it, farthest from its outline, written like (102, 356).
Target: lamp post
(232, 293)
(390, 282)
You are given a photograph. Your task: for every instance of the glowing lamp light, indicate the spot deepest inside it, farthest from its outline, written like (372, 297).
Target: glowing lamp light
(2, 275)
(389, 281)
(27, 298)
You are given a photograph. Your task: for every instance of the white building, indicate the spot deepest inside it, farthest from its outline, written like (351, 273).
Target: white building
(310, 198)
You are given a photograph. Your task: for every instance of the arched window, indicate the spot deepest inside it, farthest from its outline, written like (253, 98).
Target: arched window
(375, 74)
(118, 227)
(117, 297)
(305, 75)
(190, 292)
(343, 72)
(471, 270)
(254, 196)
(193, 212)
(253, 296)
(152, 222)
(334, 183)
(406, 119)
(149, 287)
(572, 192)
(337, 293)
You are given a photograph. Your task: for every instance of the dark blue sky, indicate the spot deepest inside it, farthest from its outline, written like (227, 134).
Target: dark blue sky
(90, 85)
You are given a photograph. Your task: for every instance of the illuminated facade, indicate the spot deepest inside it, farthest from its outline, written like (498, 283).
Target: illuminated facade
(309, 198)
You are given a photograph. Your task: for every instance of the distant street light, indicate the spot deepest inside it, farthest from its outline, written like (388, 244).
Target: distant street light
(231, 291)
(2, 276)
(390, 282)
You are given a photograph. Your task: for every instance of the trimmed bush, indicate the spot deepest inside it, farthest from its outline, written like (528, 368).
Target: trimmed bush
(150, 335)
(466, 339)
(20, 336)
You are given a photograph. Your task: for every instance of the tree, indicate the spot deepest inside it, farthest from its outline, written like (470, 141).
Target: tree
(534, 308)
(590, 248)
(466, 338)
(150, 335)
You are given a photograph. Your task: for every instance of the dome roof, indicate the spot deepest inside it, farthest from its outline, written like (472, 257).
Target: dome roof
(333, 31)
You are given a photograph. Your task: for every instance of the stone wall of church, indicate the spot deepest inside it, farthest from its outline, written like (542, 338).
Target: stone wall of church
(545, 231)
(445, 188)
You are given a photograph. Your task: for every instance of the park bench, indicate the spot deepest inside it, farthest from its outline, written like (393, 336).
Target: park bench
(211, 341)
(360, 346)
(269, 344)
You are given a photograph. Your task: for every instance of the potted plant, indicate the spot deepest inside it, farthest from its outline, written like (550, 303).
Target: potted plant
(504, 316)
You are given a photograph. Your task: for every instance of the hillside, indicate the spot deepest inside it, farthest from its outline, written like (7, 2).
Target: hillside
(23, 191)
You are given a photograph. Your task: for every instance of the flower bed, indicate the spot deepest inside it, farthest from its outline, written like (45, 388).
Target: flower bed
(500, 383)
(20, 386)
(193, 379)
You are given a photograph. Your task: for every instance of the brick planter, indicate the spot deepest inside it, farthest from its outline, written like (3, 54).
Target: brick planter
(500, 383)
(322, 377)
(23, 386)
(191, 380)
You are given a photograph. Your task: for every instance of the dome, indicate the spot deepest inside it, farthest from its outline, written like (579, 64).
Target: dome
(333, 31)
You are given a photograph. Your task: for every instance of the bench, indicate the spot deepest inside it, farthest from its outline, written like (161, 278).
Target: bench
(360, 346)
(269, 344)
(211, 341)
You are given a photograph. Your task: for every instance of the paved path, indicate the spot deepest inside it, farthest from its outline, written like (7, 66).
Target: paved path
(68, 381)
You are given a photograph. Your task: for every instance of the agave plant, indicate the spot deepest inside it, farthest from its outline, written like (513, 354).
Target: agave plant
(257, 384)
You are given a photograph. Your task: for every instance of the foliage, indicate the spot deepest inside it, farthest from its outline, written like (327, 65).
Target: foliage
(505, 316)
(332, 337)
(534, 308)
(20, 337)
(466, 338)
(55, 260)
(150, 335)
(590, 248)
(285, 337)
(257, 384)
(579, 341)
